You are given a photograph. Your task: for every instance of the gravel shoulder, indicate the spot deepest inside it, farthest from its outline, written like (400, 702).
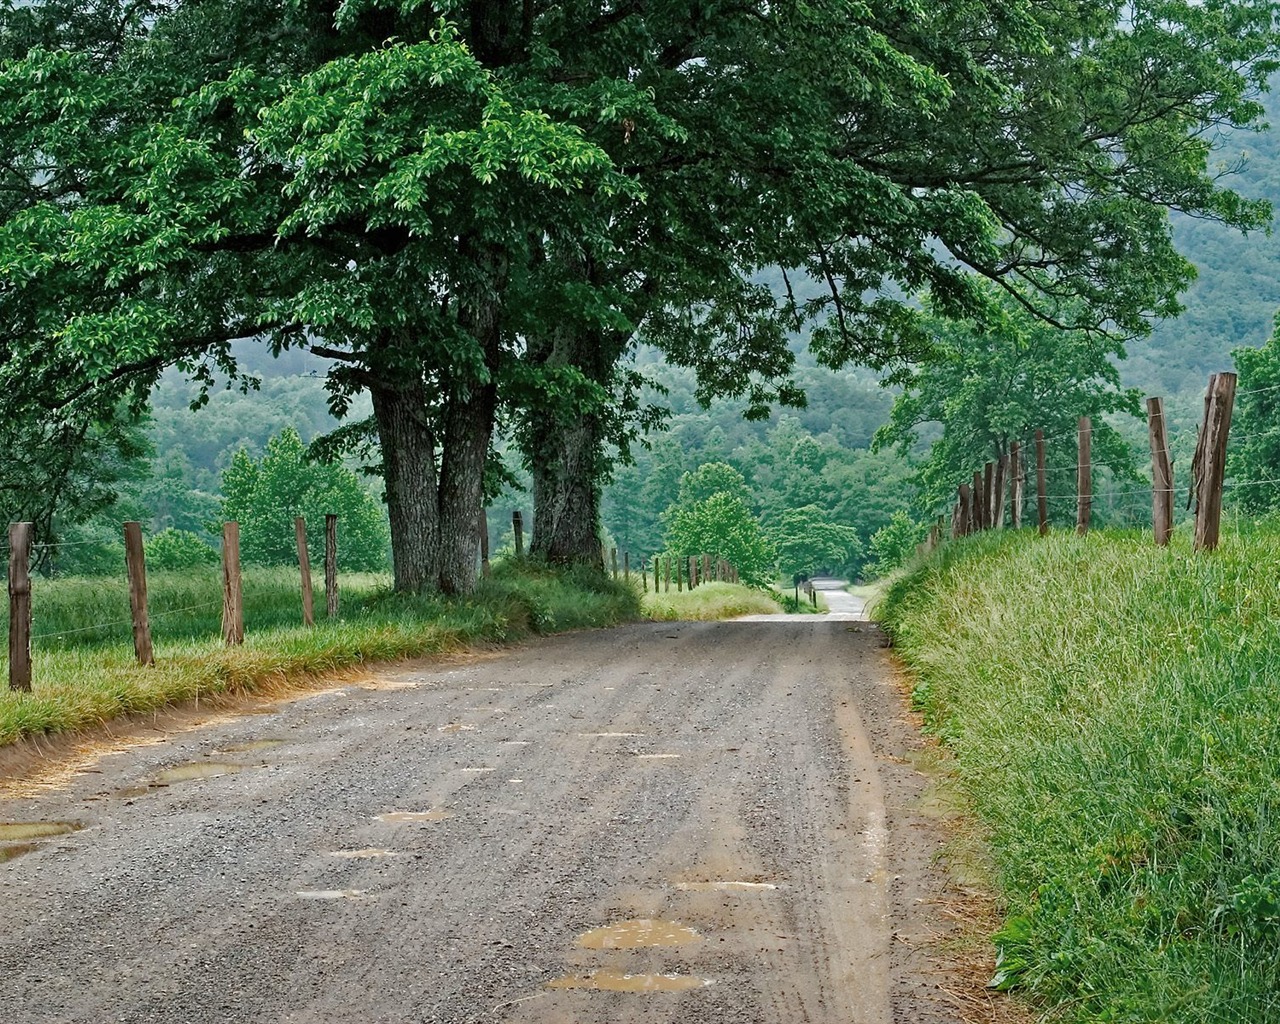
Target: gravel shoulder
(665, 822)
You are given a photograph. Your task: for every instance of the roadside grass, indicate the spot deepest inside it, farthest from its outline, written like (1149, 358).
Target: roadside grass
(709, 602)
(1114, 712)
(85, 673)
(803, 606)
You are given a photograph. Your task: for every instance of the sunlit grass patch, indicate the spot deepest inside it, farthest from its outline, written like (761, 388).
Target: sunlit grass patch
(709, 602)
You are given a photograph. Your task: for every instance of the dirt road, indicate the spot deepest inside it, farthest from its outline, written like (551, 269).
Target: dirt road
(660, 823)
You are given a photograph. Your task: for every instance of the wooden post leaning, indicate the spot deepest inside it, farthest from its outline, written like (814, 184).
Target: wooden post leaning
(1042, 492)
(20, 606)
(997, 497)
(232, 591)
(1161, 473)
(1084, 475)
(331, 564)
(1212, 452)
(136, 564)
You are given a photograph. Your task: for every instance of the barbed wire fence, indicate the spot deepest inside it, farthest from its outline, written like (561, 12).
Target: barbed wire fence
(1001, 490)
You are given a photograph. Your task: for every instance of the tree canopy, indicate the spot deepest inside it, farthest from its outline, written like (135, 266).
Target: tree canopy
(473, 209)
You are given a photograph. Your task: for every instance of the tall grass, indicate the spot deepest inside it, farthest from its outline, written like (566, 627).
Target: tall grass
(83, 656)
(1114, 710)
(709, 602)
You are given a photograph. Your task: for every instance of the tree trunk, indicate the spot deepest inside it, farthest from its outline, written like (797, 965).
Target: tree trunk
(468, 423)
(409, 470)
(566, 491)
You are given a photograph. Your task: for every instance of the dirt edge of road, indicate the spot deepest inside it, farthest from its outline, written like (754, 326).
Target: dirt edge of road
(34, 763)
(960, 960)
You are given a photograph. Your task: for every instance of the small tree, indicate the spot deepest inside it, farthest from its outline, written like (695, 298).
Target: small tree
(178, 549)
(265, 496)
(723, 527)
(893, 544)
(807, 540)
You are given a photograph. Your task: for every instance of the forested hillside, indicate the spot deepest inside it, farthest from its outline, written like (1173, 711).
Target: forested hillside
(1237, 293)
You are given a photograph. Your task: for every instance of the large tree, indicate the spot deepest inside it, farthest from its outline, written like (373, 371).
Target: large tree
(472, 208)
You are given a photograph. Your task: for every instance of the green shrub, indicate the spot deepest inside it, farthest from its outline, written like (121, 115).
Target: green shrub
(178, 549)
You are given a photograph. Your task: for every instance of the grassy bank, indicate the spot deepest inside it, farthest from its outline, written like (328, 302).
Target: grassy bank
(85, 673)
(709, 602)
(1114, 710)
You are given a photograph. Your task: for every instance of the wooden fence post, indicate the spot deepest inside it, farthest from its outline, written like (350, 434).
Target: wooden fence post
(20, 606)
(1084, 475)
(1211, 454)
(1042, 493)
(975, 504)
(988, 496)
(484, 542)
(1017, 477)
(136, 564)
(517, 527)
(679, 574)
(693, 571)
(706, 569)
(331, 565)
(1161, 472)
(656, 575)
(666, 575)
(997, 508)
(232, 592)
(626, 566)
(962, 513)
(304, 567)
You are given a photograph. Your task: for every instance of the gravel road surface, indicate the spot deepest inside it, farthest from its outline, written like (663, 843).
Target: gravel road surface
(666, 822)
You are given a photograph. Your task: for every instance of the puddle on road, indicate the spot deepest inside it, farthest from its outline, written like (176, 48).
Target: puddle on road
(368, 854)
(456, 727)
(248, 746)
(440, 814)
(725, 886)
(638, 934)
(17, 850)
(37, 829)
(330, 894)
(193, 772)
(608, 980)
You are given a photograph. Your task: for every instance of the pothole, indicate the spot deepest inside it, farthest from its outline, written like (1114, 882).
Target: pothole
(193, 772)
(641, 933)
(440, 814)
(725, 886)
(36, 829)
(609, 980)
